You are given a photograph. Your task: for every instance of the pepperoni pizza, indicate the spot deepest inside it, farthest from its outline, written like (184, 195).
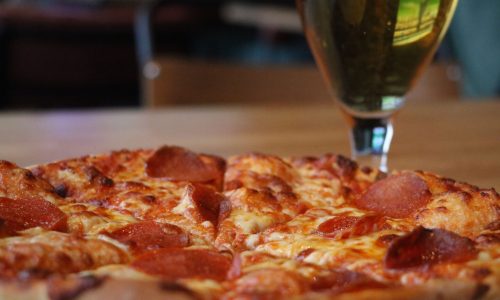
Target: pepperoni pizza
(173, 224)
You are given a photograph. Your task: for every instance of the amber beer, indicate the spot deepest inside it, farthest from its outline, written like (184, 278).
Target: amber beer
(372, 51)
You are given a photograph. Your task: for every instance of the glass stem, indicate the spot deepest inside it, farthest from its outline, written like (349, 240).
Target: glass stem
(370, 141)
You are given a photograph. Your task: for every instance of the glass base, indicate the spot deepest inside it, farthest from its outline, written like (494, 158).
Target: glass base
(370, 141)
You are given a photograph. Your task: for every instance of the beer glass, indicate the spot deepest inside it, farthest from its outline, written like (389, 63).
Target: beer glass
(371, 52)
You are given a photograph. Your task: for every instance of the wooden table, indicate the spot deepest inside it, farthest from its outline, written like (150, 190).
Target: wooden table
(455, 139)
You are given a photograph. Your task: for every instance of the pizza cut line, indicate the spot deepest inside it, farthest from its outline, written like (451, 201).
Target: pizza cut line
(169, 223)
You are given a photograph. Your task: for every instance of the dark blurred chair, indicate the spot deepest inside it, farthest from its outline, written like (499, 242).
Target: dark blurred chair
(174, 81)
(80, 53)
(66, 55)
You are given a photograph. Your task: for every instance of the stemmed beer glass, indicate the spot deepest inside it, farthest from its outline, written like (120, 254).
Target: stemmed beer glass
(371, 52)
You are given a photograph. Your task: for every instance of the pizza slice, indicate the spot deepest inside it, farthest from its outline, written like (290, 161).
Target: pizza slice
(44, 233)
(257, 275)
(19, 183)
(264, 191)
(37, 253)
(257, 195)
(330, 180)
(390, 232)
(143, 185)
(343, 237)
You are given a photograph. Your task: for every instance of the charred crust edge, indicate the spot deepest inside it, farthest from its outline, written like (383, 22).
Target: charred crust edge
(169, 286)
(70, 288)
(480, 291)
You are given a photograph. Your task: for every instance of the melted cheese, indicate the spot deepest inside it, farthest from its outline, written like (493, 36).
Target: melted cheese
(252, 222)
(183, 206)
(92, 220)
(252, 241)
(351, 253)
(48, 197)
(107, 239)
(133, 203)
(70, 176)
(319, 192)
(270, 262)
(317, 188)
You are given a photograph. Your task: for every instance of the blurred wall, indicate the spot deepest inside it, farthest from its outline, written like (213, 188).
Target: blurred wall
(77, 54)
(474, 41)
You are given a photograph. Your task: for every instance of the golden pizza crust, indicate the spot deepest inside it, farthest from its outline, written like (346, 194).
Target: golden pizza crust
(458, 207)
(434, 290)
(148, 289)
(109, 289)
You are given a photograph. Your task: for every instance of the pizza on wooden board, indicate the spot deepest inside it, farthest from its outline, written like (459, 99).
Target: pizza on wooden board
(173, 224)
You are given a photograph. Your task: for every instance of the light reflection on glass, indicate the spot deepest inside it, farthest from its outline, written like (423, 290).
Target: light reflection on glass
(415, 20)
(391, 102)
(378, 137)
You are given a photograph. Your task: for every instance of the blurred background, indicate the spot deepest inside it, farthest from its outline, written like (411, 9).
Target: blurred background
(60, 54)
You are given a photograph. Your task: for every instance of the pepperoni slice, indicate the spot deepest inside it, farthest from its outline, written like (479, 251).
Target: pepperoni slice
(396, 196)
(149, 235)
(206, 201)
(488, 238)
(426, 247)
(176, 263)
(348, 226)
(224, 209)
(341, 281)
(304, 254)
(386, 240)
(176, 163)
(335, 226)
(369, 224)
(20, 214)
